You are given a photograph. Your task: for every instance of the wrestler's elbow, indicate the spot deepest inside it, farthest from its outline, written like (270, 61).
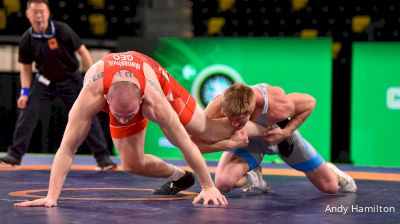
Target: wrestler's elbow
(311, 102)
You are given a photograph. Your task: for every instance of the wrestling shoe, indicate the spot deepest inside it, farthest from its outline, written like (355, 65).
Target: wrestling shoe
(173, 187)
(346, 182)
(105, 164)
(10, 160)
(256, 181)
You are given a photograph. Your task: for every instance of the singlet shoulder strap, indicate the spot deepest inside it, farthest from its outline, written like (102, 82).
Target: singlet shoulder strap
(263, 89)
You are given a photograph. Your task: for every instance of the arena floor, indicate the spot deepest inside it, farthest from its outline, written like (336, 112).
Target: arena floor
(91, 196)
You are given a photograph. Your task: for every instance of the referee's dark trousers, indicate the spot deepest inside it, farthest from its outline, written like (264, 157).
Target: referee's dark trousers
(67, 90)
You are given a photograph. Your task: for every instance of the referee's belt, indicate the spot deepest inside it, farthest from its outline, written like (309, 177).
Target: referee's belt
(42, 79)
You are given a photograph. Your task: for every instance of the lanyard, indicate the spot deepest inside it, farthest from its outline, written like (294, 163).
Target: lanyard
(44, 35)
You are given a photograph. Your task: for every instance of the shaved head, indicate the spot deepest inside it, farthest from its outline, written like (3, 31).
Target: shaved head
(124, 92)
(124, 99)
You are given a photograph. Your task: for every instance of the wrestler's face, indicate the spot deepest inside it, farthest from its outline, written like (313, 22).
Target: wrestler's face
(124, 113)
(239, 121)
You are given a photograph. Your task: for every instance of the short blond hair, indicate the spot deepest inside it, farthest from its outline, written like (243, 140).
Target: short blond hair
(238, 99)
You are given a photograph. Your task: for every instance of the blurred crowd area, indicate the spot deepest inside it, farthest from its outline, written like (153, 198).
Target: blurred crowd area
(343, 20)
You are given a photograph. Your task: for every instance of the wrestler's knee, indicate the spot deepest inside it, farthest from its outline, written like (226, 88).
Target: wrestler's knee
(224, 183)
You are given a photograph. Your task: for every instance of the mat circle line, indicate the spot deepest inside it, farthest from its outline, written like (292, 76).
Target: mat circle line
(29, 194)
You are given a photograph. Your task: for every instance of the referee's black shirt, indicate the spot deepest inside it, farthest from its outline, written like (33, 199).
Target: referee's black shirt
(55, 56)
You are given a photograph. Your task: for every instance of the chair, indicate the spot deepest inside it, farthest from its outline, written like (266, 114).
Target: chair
(98, 24)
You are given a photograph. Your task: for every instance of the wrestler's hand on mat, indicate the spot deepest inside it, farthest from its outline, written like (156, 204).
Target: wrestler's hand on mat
(43, 202)
(210, 194)
(275, 136)
(239, 139)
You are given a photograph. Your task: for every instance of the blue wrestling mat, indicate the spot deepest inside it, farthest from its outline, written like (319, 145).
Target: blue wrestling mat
(117, 197)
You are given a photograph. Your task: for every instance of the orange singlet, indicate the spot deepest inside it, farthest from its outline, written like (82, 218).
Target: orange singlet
(179, 98)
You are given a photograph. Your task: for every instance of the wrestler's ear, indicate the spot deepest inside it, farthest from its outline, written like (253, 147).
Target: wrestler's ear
(222, 111)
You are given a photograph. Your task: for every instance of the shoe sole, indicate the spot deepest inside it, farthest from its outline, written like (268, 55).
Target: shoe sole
(106, 168)
(7, 164)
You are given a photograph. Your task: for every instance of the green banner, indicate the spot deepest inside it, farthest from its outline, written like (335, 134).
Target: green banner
(206, 66)
(375, 104)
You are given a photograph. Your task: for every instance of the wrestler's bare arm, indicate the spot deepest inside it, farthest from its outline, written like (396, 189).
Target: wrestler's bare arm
(282, 106)
(303, 106)
(88, 104)
(297, 106)
(238, 139)
(157, 108)
(94, 76)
